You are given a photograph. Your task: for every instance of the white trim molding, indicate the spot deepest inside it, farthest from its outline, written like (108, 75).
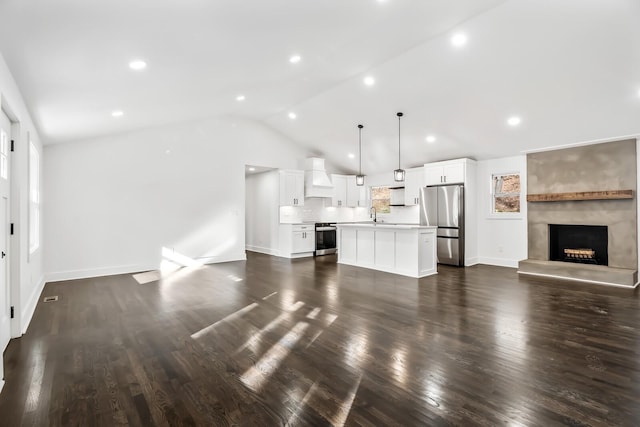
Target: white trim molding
(499, 262)
(30, 306)
(132, 268)
(259, 249)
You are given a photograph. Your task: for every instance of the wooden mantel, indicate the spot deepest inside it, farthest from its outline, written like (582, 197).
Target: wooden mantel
(585, 195)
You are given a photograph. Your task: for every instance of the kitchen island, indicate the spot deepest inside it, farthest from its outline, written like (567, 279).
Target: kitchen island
(406, 249)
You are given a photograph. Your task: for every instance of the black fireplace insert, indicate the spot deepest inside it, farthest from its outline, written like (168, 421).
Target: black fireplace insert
(579, 243)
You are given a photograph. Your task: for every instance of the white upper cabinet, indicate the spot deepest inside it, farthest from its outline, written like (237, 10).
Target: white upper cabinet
(291, 188)
(413, 181)
(449, 172)
(339, 198)
(454, 173)
(356, 195)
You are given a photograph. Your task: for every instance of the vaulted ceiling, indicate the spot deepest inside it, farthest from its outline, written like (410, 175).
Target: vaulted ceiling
(570, 70)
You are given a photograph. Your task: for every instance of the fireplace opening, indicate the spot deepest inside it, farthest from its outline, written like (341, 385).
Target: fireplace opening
(586, 244)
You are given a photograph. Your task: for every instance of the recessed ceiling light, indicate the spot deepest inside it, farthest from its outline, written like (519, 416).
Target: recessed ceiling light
(430, 139)
(459, 39)
(295, 59)
(240, 98)
(137, 65)
(369, 81)
(117, 113)
(292, 115)
(514, 121)
(352, 156)
(252, 169)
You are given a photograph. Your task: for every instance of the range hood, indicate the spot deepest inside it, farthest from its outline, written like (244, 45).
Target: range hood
(316, 180)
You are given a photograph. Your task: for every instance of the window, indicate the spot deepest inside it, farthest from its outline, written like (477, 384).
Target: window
(34, 198)
(381, 199)
(505, 193)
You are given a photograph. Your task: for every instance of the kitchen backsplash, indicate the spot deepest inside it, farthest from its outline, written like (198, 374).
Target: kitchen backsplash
(314, 210)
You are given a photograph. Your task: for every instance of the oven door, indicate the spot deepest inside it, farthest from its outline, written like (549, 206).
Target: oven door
(326, 240)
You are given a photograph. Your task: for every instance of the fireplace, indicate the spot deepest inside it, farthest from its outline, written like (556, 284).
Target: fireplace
(586, 244)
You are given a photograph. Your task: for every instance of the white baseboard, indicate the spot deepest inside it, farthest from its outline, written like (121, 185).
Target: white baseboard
(133, 268)
(471, 261)
(294, 256)
(240, 256)
(97, 272)
(499, 262)
(30, 306)
(261, 250)
(1, 385)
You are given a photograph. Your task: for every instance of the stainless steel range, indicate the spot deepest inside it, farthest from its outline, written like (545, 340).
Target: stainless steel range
(325, 238)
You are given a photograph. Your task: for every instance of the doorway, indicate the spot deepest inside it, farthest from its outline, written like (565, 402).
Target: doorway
(262, 187)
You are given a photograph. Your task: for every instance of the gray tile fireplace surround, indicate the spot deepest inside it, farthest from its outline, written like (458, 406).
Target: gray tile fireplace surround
(598, 167)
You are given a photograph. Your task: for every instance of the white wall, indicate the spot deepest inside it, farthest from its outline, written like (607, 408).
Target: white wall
(262, 211)
(27, 278)
(501, 242)
(115, 202)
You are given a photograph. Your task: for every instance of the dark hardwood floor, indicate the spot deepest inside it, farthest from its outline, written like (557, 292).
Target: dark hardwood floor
(272, 342)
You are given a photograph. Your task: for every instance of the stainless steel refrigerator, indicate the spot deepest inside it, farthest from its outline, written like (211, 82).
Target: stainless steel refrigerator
(443, 206)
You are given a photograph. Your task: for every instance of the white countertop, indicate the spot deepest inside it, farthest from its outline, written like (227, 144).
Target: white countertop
(388, 225)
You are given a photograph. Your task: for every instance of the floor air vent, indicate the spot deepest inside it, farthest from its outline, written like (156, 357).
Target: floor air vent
(51, 299)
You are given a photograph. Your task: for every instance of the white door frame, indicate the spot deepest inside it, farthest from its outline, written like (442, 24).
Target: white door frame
(13, 265)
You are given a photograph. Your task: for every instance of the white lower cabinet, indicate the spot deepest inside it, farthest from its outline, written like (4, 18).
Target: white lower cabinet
(347, 245)
(400, 249)
(365, 252)
(406, 244)
(385, 253)
(297, 240)
(426, 261)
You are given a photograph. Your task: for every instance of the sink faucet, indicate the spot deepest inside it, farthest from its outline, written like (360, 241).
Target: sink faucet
(373, 215)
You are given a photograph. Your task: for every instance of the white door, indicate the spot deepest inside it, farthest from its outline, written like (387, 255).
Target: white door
(5, 301)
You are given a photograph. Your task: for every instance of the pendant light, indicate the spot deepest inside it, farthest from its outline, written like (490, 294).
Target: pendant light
(398, 174)
(360, 177)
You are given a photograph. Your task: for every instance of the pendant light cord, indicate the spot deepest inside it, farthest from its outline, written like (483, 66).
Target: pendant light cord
(399, 116)
(360, 148)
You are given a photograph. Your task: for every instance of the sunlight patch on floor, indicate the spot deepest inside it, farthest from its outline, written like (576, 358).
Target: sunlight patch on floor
(340, 418)
(255, 339)
(269, 296)
(258, 374)
(229, 318)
